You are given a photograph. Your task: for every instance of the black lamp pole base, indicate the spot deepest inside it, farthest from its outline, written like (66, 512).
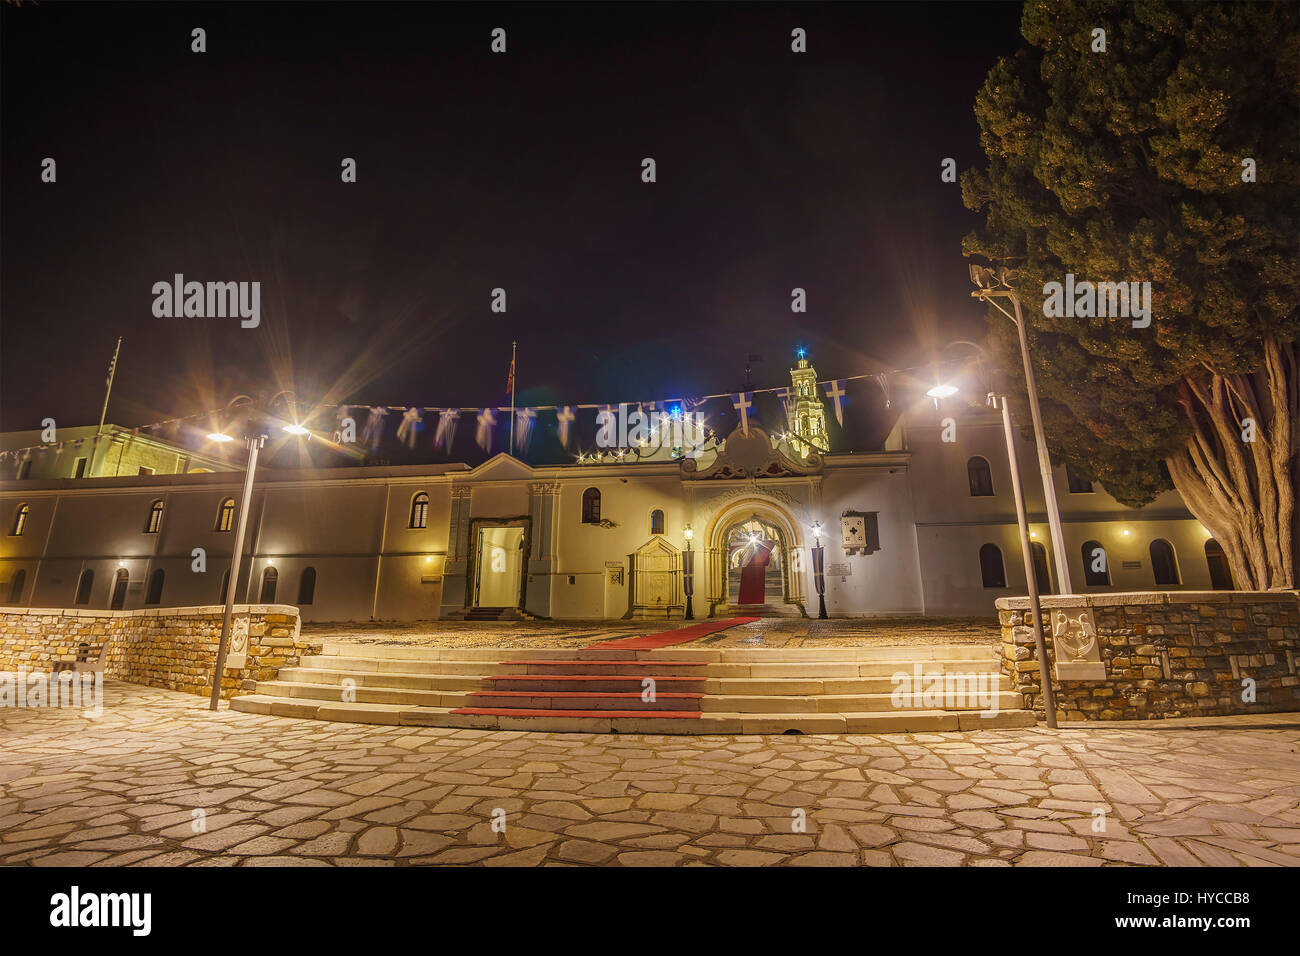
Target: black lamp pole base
(821, 607)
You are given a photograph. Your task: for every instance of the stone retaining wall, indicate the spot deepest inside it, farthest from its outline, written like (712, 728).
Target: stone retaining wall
(1166, 654)
(174, 648)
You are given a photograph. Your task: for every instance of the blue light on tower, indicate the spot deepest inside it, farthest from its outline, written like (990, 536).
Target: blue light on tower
(800, 351)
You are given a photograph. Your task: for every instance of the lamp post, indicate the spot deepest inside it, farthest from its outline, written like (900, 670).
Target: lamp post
(1040, 645)
(255, 438)
(1026, 550)
(688, 572)
(993, 285)
(819, 570)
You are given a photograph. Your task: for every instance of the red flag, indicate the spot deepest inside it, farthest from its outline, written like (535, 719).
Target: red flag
(510, 379)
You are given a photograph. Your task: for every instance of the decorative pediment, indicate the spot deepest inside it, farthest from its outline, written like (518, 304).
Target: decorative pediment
(502, 467)
(752, 456)
(656, 546)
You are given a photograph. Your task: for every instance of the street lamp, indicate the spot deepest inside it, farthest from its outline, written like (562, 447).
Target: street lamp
(255, 427)
(819, 569)
(1026, 551)
(688, 571)
(997, 284)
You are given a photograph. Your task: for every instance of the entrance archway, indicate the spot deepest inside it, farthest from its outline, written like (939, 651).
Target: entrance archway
(754, 563)
(755, 559)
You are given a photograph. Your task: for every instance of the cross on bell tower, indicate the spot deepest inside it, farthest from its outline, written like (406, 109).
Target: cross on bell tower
(808, 419)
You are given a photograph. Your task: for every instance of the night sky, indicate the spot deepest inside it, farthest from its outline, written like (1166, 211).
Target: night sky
(476, 170)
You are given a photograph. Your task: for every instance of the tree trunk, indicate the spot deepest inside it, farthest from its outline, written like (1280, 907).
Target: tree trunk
(1237, 473)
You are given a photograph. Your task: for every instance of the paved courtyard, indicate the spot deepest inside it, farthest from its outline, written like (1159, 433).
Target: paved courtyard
(157, 780)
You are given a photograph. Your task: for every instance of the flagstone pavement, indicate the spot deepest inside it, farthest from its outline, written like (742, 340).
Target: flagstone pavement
(157, 780)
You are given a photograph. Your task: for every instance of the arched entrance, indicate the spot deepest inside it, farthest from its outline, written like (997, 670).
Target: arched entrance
(755, 560)
(754, 563)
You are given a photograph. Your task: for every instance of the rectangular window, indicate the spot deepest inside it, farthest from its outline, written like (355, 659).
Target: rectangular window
(81, 468)
(1078, 486)
(24, 469)
(145, 471)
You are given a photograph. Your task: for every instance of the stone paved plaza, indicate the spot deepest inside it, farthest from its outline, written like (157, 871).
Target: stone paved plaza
(127, 788)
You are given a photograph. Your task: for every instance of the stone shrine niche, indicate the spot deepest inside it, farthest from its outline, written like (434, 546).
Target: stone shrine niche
(860, 532)
(656, 577)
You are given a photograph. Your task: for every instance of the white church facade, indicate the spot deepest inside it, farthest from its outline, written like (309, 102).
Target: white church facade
(921, 526)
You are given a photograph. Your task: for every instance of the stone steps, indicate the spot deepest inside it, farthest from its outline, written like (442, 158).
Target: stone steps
(842, 703)
(571, 701)
(698, 690)
(898, 722)
(364, 695)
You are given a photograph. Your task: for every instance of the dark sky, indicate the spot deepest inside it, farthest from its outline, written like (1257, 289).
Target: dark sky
(476, 170)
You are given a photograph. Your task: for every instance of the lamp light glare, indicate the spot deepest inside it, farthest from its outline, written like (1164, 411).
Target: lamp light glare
(296, 430)
(219, 436)
(942, 391)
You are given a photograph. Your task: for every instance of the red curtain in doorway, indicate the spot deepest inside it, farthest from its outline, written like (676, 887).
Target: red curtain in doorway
(753, 573)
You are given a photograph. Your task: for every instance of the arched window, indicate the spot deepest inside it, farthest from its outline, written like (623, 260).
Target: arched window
(84, 584)
(420, 511)
(270, 577)
(1163, 564)
(120, 582)
(16, 587)
(992, 570)
(225, 586)
(154, 595)
(591, 506)
(20, 520)
(226, 515)
(307, 586)
(155, 518)
(981, 478)
(1042, 577)
(1096, 572)
(1220, 572)
(656, 522)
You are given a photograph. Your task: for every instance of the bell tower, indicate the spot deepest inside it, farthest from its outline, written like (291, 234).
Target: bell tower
(808, 418)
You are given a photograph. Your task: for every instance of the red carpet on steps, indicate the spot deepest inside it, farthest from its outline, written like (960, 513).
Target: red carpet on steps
(677, 636)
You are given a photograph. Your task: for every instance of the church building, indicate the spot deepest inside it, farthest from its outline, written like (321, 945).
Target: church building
(913, 519)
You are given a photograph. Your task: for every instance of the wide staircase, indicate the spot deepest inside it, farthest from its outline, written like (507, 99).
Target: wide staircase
(673, 690)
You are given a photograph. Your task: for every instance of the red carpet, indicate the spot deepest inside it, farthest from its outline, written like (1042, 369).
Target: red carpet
(678, 636)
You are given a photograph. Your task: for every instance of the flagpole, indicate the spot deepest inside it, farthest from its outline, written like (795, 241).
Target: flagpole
(112, 370)
(512, 398)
